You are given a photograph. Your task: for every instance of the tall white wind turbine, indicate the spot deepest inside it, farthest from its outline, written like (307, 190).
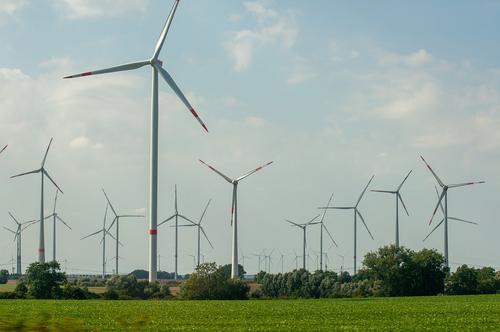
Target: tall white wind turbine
(234, 212)
(156, 66)
(304, 238)
(55, 218)
(103, 231)
(21, 226)
(321, 234)
(176, 215)
(43, 172)
(200, 230)
(444, 195)
(398, 199)
(116, 220)
(356, 214)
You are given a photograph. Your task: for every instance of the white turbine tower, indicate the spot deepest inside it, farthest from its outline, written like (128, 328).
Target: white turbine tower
(55, 218)
(200, 230)
(398, 199)
(21, 226)
(116, 220)
(234, 212)
(304, 240)
(356, 214)
(156, 66)
(103, 232)
(176, 215)
(43, 172)
(444, 195)
(321, 235)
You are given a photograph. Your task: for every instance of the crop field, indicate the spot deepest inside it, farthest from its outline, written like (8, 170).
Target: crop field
(448, 313)
(7, 287)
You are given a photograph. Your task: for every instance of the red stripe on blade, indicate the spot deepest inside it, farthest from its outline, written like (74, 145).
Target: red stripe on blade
(153, 232)
(194, 113)
(41, 250)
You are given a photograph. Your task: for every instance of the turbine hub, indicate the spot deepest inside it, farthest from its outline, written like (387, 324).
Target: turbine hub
(157, 62)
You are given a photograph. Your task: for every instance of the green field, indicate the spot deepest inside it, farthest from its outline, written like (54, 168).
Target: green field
(450, 313)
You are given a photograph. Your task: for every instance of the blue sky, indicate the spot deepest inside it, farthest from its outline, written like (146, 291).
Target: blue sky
(332, 91)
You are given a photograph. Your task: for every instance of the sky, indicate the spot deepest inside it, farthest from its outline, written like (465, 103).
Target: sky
(332, 91)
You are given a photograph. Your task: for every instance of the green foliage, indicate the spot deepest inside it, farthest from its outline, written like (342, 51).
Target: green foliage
(211, 282)
(70, 292)
(468, 280)
(404, 272)
(44, 280)
(21, 290)
(226, 271)
(4, 276)
(128, 288)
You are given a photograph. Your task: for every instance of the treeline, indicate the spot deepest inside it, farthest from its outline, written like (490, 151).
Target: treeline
(389, 271)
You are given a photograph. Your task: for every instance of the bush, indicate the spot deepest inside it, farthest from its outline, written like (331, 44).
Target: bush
(44, 280)
(70, 292)
(21, 290)
(468, 280)
(211, 282)
(4, 276)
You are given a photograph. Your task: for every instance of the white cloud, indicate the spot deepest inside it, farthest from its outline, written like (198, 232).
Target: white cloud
(80, 9)
(416, 59)
(234, 102)
(83, 142)
(272, 28)
(301, 71)
(9, 8)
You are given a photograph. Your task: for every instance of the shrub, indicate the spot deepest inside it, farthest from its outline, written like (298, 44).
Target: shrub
(4, 276)
(44, 280)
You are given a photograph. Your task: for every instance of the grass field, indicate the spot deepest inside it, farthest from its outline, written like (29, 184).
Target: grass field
(421, 313)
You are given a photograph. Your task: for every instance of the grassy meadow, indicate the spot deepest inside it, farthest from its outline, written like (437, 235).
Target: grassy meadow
(444, 313)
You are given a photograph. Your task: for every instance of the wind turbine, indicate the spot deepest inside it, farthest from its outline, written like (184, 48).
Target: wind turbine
(234, 212)
(243, 257)
(321, 235)
(103, 232)
(267, 261)
(200, 230)
(444, 194)
(281, 259)
(55, 217)
(296, 260)
(176, 215)
(43, 172)
(398, 198)
(259, 257)
(304, 227)
(449, 218)
(21, 226)
(116, 220)
(356, 214)
(156, 66)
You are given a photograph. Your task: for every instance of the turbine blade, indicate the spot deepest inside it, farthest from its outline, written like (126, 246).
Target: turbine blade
(383, 191)
(125, 67)
(364, 223)
(83, 238)
(105, 216)
(440, 204)
(364, 190)
(46, 153)
(55, 201)
(464, 184)
(22, 174)
(433, 230)
(291, 222)
(132, 216)
(310, 221)
(216, 171)
(204, 211)
(337, 207)
(114, 220)
(170, 81)
(433, 173)
(437, 205)
(462, 220)
(3, 149)
(187, 219)
(61, 220)
(109, 202)
(164, 32)
(10, 230)
(233, 203)
(206, 237)
(14, 218)
(401, 185)
(166, 220)
(253, 171)
(402, 202)
(327, 205)
(330, 235)
(51, 180)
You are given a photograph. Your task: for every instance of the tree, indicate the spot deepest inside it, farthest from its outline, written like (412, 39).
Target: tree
(44, 280)
(226, 271)
(463, 281)
(4, 276)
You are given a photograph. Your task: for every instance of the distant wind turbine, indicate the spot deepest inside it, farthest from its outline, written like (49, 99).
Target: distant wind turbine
(43, 172)
(398, 198)
(156, 66)
(116, 221)
(321, 234)
(55, 216)
(304, 240)
(200, 230)
(103, 233)
(234, 212)
(176, 215)
(21, 226)
(356, 214)
(444, 194)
